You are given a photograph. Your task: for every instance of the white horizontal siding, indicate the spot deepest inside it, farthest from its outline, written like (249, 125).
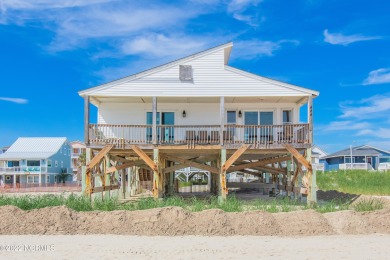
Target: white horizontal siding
(211, 78)
(197, 114)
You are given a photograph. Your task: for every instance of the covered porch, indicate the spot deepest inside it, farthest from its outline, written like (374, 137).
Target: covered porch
(263, 122)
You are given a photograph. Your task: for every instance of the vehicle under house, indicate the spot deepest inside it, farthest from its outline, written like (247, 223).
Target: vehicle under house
(198, 112)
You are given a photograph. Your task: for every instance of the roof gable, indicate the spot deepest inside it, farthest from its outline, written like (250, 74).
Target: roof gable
(212, 77)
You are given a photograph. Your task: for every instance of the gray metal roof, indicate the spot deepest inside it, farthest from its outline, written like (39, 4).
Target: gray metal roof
(33, 148)
(355, 152)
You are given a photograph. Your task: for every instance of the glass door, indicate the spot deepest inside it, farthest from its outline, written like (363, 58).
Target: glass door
(251, 121)
(168, 119)
(266, 122)
(149, 122)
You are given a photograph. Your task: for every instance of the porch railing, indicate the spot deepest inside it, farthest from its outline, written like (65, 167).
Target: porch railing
(200, 134)
(23, 169)
(355, 166)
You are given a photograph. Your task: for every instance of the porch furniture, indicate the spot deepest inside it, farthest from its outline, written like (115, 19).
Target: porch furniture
(190, 135)
(203, 136)
(214, 137)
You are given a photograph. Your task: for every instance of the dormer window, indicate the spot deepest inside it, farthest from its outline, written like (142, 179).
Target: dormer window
(186, 73)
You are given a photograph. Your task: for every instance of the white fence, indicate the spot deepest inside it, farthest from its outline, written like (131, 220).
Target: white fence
(355, 166)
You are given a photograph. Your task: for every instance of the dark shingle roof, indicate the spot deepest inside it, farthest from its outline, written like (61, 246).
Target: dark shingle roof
(347, 152)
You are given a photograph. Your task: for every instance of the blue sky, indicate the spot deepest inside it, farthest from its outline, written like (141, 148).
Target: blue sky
(49, 50)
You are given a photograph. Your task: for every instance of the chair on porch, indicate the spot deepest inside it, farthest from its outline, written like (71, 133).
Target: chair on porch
(190, 135)
(214, 137)
(203, 136)
(228, 136)
(286, 135)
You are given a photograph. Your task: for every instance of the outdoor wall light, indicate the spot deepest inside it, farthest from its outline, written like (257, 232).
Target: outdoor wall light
(239, 114)
(184, 113)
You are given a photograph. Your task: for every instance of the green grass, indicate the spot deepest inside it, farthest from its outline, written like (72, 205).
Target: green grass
(355, 182)
(232, 204)
(369, 205)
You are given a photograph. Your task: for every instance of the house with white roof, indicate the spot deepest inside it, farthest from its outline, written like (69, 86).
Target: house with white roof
(35, 160)
(199, 112)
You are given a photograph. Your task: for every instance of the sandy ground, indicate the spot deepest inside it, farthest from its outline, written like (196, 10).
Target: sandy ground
(198, 247)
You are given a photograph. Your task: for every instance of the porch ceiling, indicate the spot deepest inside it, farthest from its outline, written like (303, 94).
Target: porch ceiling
(251, 99)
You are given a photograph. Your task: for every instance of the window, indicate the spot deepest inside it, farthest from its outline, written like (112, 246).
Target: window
(47, 178)
(348, 159)
(33, 163)
(231, 117)
(13, 163)
(32, 179)
(62, 164)
(49, 163)
(64, 150)
(287, 116)
(56, 164)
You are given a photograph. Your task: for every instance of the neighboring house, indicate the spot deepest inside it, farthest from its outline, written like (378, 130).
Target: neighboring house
(316, 154)
(35, 160)
(363, 157)
(191, 110)
(3, 149)
(78, 148)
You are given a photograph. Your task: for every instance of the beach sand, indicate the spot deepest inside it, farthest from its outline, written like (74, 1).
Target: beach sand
(199, 247)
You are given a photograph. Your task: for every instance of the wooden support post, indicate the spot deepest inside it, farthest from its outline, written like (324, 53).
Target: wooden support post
(154, 122)
(157, 193)
(171, 180)
(222, 118)
(86, 120)
(83, 179)
(123, 183)
(310, 118)
(214, 178)
(222, 191)
(311, 181)
(234, 157)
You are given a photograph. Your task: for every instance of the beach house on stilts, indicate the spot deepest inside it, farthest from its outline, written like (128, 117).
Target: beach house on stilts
(198, 112)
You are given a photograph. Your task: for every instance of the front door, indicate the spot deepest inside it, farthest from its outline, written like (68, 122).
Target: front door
(369, 160)
(166, 133)
(258, 123)
(251, 120)
(167, 120)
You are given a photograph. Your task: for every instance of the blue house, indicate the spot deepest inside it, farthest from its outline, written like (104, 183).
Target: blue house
(36, 160)
(364, 157)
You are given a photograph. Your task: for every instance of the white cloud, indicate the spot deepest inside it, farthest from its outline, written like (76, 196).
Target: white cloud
(379, 76)
(14, 100)
(340, 39)
(377, 132)
(76, 23)
(373, 107)
(346, 125)
(250, 49)
(159, 45)
(245, 11)
(45, 4)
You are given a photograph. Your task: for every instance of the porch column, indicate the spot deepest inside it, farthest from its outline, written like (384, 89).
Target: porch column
(222, 118)
(154, 120)
(222, 191)
(86, 120)
(312, 179)
(310, 118)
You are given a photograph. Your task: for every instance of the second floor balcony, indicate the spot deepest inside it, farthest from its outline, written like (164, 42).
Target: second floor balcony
(261, 136)
(23, 169)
